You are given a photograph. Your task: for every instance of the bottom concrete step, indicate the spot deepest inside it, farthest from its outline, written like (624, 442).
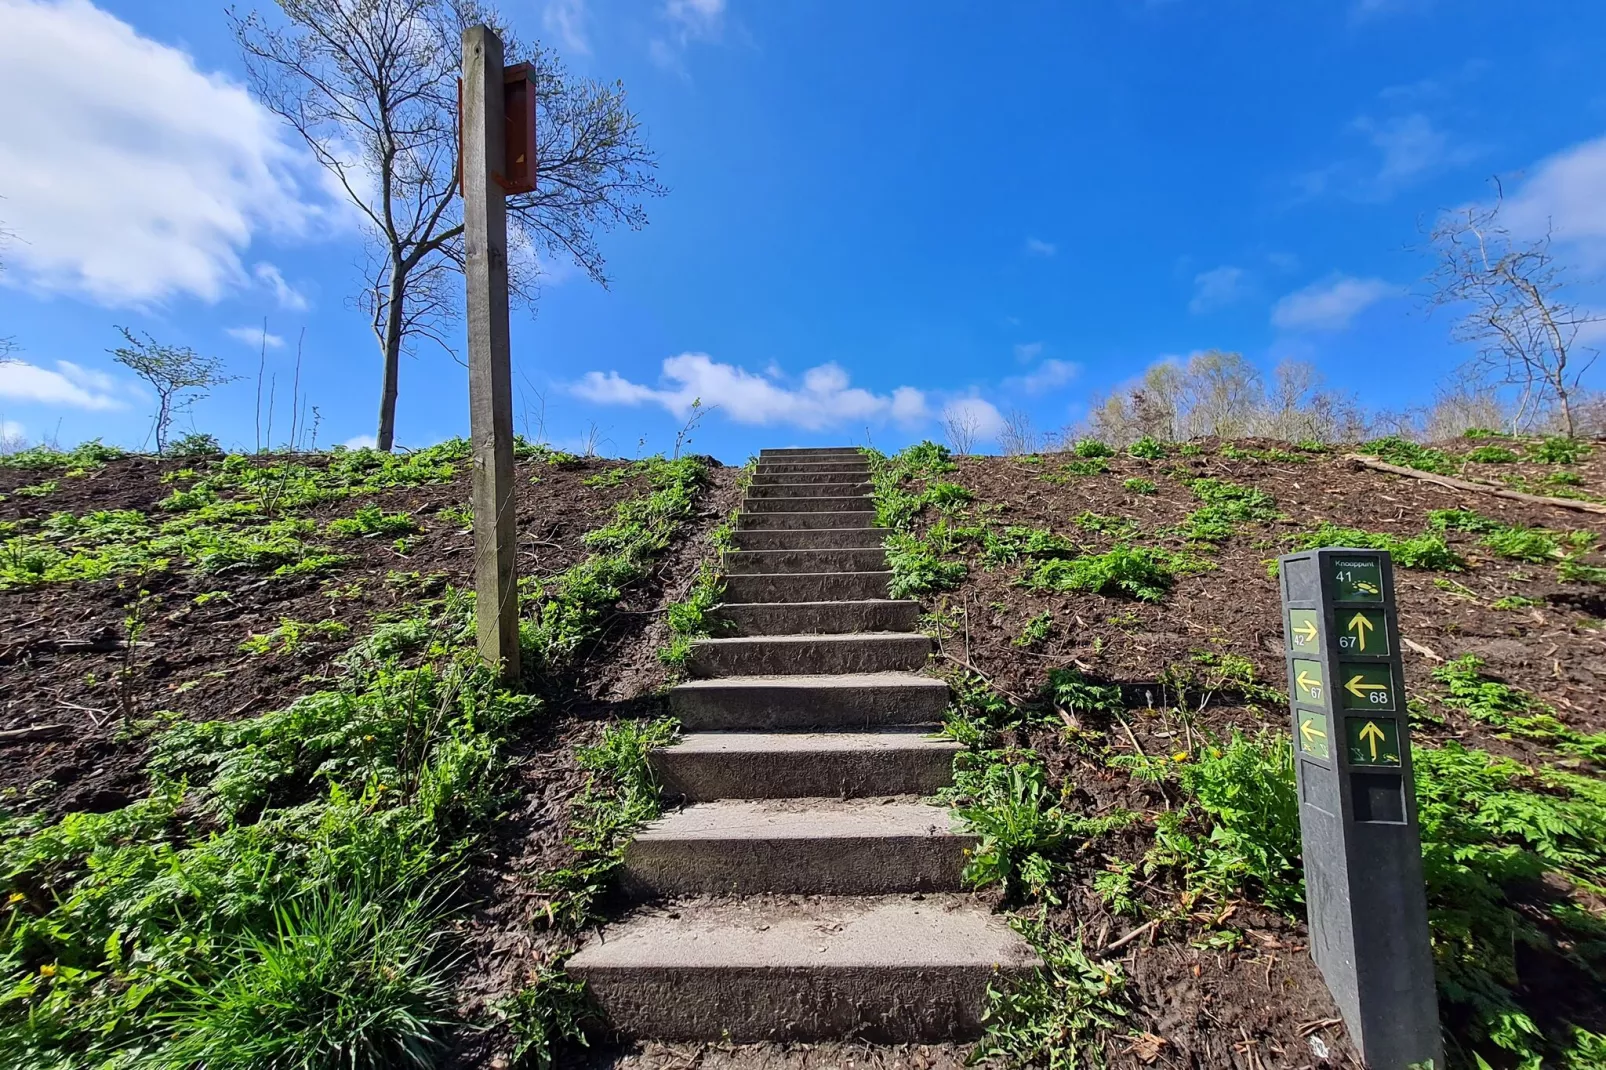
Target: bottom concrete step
(887, 971)
(783, 765)
(800, 847)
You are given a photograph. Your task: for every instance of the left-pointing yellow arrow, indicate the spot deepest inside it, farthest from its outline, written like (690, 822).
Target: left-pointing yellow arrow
(1357, 686)
(1310, 731)
(1307, 684)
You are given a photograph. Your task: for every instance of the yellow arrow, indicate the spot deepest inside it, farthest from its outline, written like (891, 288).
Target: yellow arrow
(1372, 734)
(1307, 684)
(1310, 733)
(1360, 626)
(1306, 631)
(1358, 686)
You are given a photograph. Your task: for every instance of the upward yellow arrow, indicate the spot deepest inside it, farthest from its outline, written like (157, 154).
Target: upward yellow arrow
(1360, 626)
(1373, 735)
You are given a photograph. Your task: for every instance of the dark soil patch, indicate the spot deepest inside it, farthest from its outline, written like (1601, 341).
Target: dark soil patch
(1261, 1003)
(58, 656)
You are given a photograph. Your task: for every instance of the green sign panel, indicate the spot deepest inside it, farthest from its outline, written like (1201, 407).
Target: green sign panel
(1363, 631)
(1304, 631)
(1373, 740)
(1366, 687)
(1356, 578)
(1309, 683)
(1313, 733)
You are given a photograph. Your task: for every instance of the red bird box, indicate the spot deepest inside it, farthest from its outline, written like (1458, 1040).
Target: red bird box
(518, 105)
(518, 109)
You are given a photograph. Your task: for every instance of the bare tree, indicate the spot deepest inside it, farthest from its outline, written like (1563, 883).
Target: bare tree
(1516, 312)
(371, 86)
(961, 425)
(1223, 394)
(179, 375)
(1018, 437)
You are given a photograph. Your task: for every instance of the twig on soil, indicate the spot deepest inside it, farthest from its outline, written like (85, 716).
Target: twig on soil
(33, 734)
(985, 678)
(1135, 745)
(1305, 1029)
(1481, 488)
(91, 710)
(1426, 652)
(1133, 935)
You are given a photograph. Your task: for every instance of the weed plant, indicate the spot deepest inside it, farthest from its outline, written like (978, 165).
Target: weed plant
(1512, 710)
(1427, 551)
(1126, 571)
(1227, 506)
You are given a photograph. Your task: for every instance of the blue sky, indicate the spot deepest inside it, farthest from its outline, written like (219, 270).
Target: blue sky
(876, 210)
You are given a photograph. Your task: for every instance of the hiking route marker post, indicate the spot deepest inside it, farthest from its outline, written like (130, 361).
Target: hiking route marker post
(1357, 803)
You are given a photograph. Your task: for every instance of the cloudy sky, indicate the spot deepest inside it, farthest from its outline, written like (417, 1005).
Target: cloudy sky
(877, 211)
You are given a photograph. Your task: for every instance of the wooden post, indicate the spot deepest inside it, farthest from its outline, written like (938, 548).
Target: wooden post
(490, 380)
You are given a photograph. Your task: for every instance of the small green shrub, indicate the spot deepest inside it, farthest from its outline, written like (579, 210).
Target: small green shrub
(1492, 455)
(196, 444)
(1141, 486)
(1134, 572)
(295, 637)
(1016, 542)
(917, 569)
(1427, 552)
(1092, 447)
(373, 521)
(1036, 630)
(1512, 709)
(1060, 1017)
(1408, 454)
(1558, 450)
(1227, 506)
(550, 1011)
(1147, 448)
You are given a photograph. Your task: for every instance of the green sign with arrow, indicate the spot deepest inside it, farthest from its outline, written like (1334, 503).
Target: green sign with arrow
(1364, 631)
(1313, 734)
(1309, 683)
(1366, 687)
(1303, 631)
(1373, 740)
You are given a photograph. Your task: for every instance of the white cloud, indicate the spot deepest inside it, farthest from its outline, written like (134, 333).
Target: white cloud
(1566, 195)
(13, 436)
(1408, 145)
(361, 442)
(1028, 351)
(1329, 305)
(566, 20)
(287, 296)
(1049, 375)
(130, 174)
(1217, 288)
(825, 399)
(696, 18)
(979, 415)
(255, 337)
(68, 385)
(1039, 247)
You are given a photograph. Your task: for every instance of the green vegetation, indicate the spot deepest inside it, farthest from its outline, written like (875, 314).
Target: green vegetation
(917, 561)
(1140, 486)
(294, 637)
(370, 521)
(1428, 551)
(1132, 572)
(1147, 448)
(1092, 447)
(1237, 830)
(1408, 454)
(1558, 450)
(38, 490)
(1226, 507)
(79, 459)
(1036, 630)
(1081, 466)
(690, 619)
(287, 893)
(1535, 545)
(1016, 542)
(1055, 1019)
(1492, 455)
(918, 568)
(1512, 710)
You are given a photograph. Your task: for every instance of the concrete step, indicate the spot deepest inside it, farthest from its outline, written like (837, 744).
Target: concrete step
(841, 489)
(778, 765)
(846, 559)
(812, 539)
(808, 655)
(886, 971)
(836, 503)
(798, 453)
(820, 618)
(781, 468)
(770, 703)
(807, 586)
(798, 847)
(857, 518)
(846, 475)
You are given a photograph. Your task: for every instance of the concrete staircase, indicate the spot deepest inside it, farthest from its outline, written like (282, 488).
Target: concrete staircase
(803, 891)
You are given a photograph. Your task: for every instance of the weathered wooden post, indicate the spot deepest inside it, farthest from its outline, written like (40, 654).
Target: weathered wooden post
(490, 379)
